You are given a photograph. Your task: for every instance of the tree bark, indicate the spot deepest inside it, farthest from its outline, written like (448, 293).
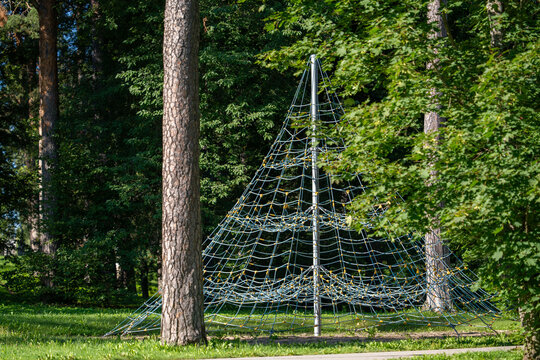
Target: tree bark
(129, 276)
(3, 16)
(79, 56)
(32, 217)
(48, 116)
(438, 293)
(182, 320)
(530, 321)
(144, 279)
(495, 10)
(97, 41)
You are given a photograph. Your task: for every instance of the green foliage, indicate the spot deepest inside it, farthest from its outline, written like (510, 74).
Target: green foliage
(23, 21)
(77, 277)
(242, 103)
(105, 217)
(107, 177)
(485, 160)
(17, 86)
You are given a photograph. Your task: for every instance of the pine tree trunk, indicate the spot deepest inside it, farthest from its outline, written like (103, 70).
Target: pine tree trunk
(182, 320)
(48, 116)
(438, 292)
(32, 218)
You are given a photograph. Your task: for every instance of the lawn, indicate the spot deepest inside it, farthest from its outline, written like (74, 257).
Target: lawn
(73, 333)
(495, 355)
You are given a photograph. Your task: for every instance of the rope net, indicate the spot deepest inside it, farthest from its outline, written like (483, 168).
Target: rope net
(259, 262)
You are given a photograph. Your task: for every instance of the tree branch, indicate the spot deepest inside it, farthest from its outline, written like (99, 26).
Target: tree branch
(447, 28)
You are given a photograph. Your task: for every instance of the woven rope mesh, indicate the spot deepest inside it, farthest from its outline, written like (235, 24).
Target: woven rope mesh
(258, 263)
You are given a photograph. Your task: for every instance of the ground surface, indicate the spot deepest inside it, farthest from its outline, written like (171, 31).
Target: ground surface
(384, 355)
(71, 333)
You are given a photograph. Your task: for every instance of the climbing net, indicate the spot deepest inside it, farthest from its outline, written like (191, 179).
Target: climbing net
(259, 269)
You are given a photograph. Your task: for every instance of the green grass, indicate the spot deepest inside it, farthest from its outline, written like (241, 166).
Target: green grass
(337, 323)
(72, 333)
(493, 355)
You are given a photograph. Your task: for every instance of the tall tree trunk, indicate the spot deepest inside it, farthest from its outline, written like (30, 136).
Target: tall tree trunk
(438, 292)
(530, 318)
(97, 55)
(32, 218)
(79, 53)
(495, 10)
(48, 116)
(530, 321)
(182, 320)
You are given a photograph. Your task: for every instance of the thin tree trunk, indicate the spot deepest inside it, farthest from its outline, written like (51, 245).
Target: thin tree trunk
(125, 277)
(438, 292)
(48, 116)
(495, 10)
(97, 55)
(131, 284)
(3, 16)
(182, 320)
(530, 321)
(530, 318)
(32, 218)
(144, 279)
(78, 15)
(120, 283)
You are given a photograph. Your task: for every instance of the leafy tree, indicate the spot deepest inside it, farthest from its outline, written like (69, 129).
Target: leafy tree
(486, 154)
(242, 103)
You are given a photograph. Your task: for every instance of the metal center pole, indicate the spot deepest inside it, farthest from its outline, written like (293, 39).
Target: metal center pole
(315, 197)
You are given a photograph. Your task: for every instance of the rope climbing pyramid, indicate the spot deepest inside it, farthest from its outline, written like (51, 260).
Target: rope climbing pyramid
(285, 259)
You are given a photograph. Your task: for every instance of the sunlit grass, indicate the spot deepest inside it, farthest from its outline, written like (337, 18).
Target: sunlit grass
(52, 332)
(229, 322)
(493, 355)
